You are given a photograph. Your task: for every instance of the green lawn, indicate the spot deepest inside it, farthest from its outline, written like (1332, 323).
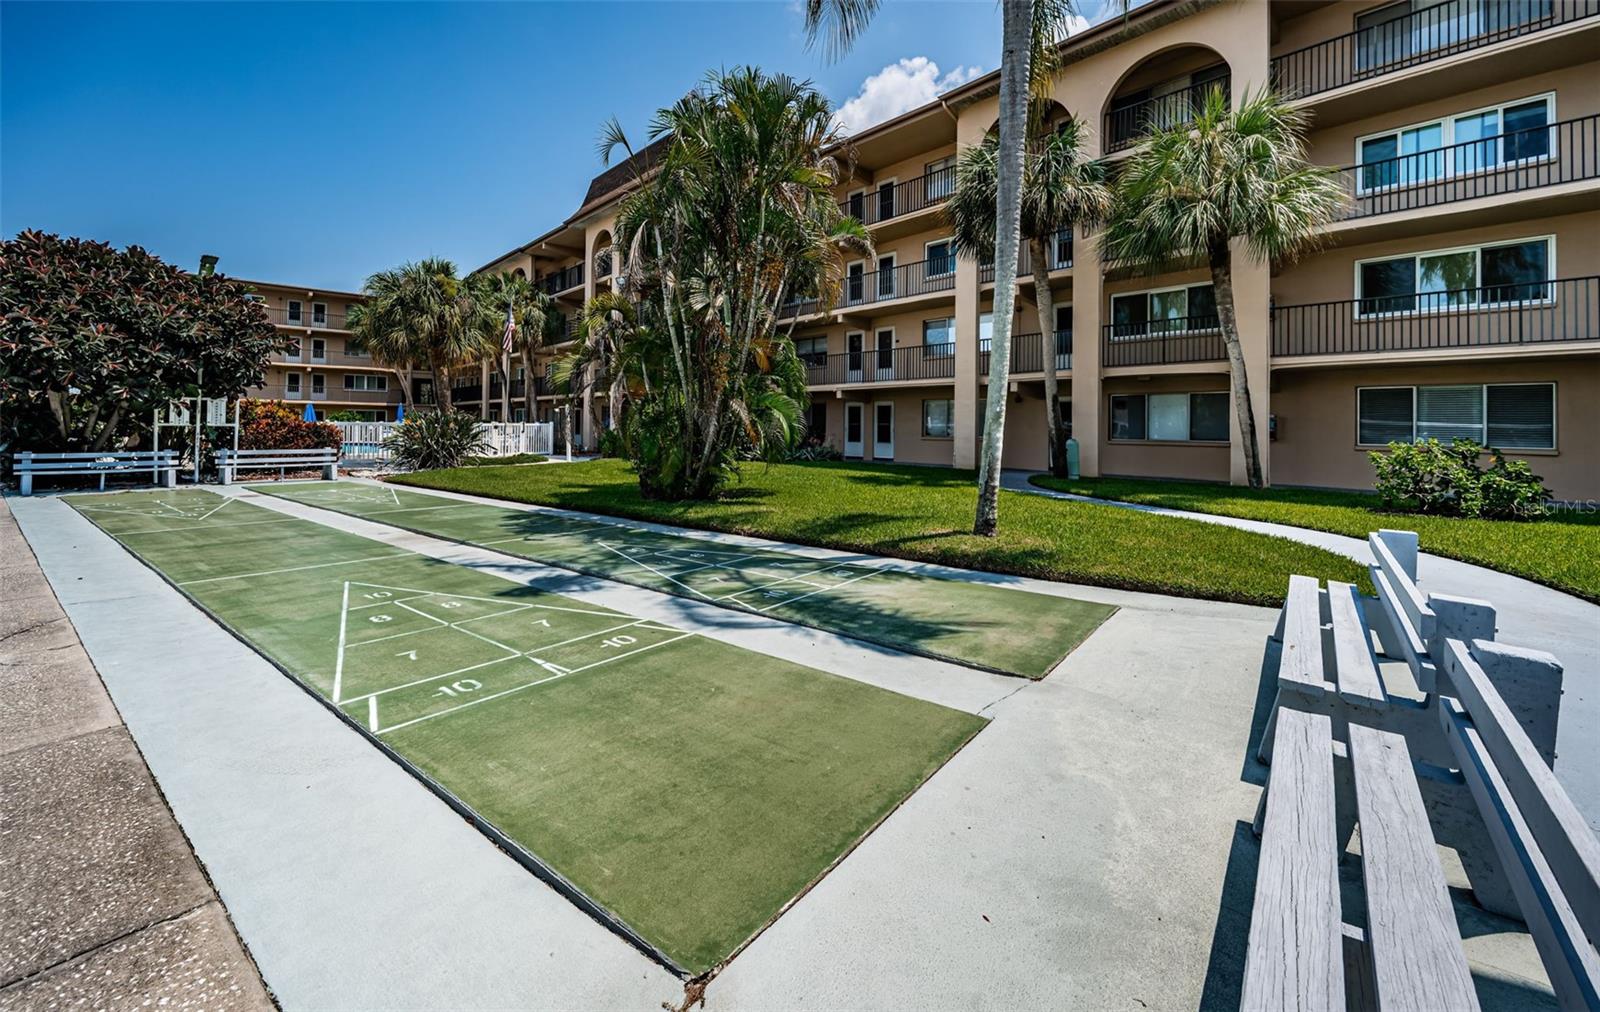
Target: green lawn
(690, 787)
(1561, 551)
(925, 514)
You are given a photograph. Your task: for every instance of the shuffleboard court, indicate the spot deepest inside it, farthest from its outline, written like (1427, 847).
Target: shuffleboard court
(1014, 632)
(685, 787)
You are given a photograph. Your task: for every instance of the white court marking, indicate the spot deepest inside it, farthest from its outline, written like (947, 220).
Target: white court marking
(557, 671)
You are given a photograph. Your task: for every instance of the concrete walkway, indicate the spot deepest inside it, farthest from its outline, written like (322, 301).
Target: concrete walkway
(1090, 847)
(1529, 614)
(102, 903)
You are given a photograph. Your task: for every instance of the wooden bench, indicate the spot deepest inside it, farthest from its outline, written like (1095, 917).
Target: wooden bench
(162, 465)
(231, 462)
(1464, 761)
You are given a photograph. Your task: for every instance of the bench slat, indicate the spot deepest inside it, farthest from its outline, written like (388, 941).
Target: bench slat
(24, 456)
(1570, 848)
(1354, 663)
(1301, 658)
(1417, 958)
(1295, 958)
(1415, 651)
(1568, 957)
(1406, 594)
(322, 451)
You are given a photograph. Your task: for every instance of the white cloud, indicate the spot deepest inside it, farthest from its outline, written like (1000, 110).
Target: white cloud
(1076, 23)
(897, 88)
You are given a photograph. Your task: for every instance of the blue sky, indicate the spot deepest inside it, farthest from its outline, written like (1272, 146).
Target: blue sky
(317, 142)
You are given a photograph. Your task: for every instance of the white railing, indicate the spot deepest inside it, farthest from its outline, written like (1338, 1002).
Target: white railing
(363, 441)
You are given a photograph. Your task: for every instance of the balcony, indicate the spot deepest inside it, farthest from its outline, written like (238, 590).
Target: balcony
(1503, 316)
(1564, 152)
(909, 363)
(334, 394)
(562, 281)
(1060, 246)
(1126, 126)
(1027, 354)
(1431, 33)
(307, 317)
(1172, 341)
(887, 202)
(924, 277)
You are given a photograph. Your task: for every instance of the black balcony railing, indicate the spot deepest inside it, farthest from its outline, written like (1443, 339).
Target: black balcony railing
(903, 282)
(914, 362)
(1567, 309)
(563, 280)
(467, 392)
(1424, 35)
(1027, 354)
(307, 317)
(892, 201)
(1162, 342)
(1563, 152)
(1059, 246)
(1125, 126)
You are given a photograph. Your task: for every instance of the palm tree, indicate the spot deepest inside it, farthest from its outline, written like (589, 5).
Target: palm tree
(422, 312)
(1191, 190)
(530, 311)
(738, 218)
(1029, 33)
(1060, 191)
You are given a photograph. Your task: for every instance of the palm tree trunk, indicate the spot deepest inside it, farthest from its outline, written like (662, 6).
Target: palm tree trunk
(1222, 285)
(1016, 36)
(441, 384)
(1045, 297)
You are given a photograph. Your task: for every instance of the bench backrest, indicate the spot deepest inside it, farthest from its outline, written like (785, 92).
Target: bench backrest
(27, 459)
(1564, 838)
(246, 456)
(1395, 553)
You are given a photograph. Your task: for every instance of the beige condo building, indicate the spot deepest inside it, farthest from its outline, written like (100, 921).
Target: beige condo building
(328, 367)
(1459, 294)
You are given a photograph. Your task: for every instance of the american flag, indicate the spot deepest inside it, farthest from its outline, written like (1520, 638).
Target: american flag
(511, 330)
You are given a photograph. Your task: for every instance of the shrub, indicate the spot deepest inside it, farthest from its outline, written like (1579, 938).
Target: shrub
(273, 425)
(433, 439)
(1430, 477)
(814, 449)
(612, 443)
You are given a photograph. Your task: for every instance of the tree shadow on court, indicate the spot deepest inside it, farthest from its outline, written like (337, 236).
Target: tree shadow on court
(917, 621)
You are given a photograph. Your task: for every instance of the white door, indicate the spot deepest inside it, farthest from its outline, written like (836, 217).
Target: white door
(854, 415)
(883, 360)
(883, 430)
(855, 351)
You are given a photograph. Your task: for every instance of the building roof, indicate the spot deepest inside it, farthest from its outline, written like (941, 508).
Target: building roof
(309, 290)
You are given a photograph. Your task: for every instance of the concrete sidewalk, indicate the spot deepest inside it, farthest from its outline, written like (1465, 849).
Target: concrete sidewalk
(354, 886)
(1529, 614)
(1091, 847)
(102, 903)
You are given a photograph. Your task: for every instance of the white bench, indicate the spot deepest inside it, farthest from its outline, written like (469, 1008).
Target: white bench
(162, 465)
(1465, 762)
(231, 462)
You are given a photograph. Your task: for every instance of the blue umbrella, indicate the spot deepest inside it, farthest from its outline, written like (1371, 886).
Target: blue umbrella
(311, 413)
(399, 412)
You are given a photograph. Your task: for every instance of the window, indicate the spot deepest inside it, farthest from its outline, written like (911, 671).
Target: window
(1399, 31)
(938, 419)
(985, 330)
(319, 383)
(1181, 417)
(812, 351)
(1503, 415)
(294, 311)
(855, 282)
(519, 414)
(362, 381)
(856, 205)
(319, 350)
(355, 347)
(1477, 140)
(1458, 278)
(319, 314)
(939, 178)
(938, 338)
(291, 384)
(886, 200)
(293, 354)
(1061, 250)
(941, 259)
(1166, 311)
